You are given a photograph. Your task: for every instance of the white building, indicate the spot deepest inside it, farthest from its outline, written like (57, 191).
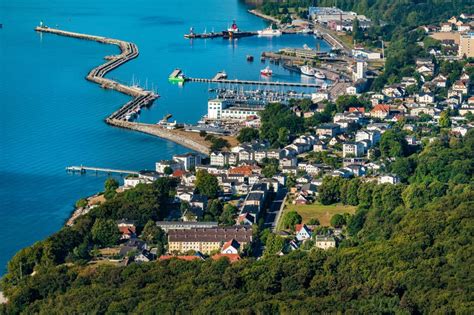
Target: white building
(372, 135)
(389, 179)
(361, 68)
(223, 109)
(188, 160)
(325, 242)
(353, 149)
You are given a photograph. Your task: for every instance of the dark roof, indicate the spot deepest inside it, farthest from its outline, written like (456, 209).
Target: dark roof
(255, 196)
(250, 209)
(240, 234)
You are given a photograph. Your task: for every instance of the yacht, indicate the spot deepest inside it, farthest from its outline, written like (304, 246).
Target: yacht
(270, 31)
(266, 72)
(320, 75)
(307, 70)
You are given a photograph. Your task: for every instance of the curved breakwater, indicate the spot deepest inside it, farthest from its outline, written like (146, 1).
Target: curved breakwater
(141, 98)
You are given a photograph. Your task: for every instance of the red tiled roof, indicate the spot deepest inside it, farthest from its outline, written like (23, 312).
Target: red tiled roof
(381, 108)
(356, 109)
(245, 170)
(178, 173)
(232, 257)
(127, 230)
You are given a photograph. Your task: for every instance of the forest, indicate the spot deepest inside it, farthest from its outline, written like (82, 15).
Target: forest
(410, 251)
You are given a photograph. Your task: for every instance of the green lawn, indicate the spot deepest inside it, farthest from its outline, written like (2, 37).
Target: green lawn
(318, 211)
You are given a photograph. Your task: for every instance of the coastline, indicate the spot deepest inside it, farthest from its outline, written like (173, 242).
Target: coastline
(264, 16)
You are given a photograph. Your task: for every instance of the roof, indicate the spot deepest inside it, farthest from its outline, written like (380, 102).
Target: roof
(230, 243)
(178, 173)
(240, 234)
(381, 108)
(186, 258)
(232, 257)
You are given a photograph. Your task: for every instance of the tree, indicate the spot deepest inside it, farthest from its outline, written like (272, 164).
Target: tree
(247, 135)
(111, 186)
(207, 184)
(153, 234)
(227, 215)
(290, 219)
(218, 144)
(81, 203)
(105, 232)
(393, 144)
(274, 244)
(444, 120)
(338, 221)
(314, 221)
(330, 190)
(168, 170)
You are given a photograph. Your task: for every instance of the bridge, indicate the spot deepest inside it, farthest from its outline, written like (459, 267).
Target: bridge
(83, 169)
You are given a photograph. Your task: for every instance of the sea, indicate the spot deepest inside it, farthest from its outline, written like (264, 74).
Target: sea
(51, 117)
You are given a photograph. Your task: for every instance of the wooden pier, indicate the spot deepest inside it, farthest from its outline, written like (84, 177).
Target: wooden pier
(128, 51)
(83, 169)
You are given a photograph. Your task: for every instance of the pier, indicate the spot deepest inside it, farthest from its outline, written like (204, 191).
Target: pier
(83, 169)
(128, 51)
(250, 82)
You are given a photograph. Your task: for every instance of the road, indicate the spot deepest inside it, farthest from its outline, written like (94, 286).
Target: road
(273, 213)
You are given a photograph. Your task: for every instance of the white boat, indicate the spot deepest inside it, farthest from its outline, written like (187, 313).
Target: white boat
(306, 30)
(269, 32)
(307, 70)
(266, 72)
(320, 75)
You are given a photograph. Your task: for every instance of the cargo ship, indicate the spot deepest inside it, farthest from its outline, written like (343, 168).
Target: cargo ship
(235, 32)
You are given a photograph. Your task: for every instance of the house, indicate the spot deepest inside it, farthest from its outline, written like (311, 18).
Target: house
(461, 86)
(289, 161)
(198, 202)
(246, 219)
(372, 135)
(219, 158)
(207, 240)
(446, 27)
(328, 129)
(425, 69)
(188, 160)
(300, 200)
(144, 256)
(230, 247)
(352, 149)
(319, 146)
(425, 98)
(380, 111)
(388, 179)
(127, 229)
(132, 181)
(393, 91)
(355, 169)
(302, 232)
(162, 165)
(133, 245)
(440, 81)
(325, 242)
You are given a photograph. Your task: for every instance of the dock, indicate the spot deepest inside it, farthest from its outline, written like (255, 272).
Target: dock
(128, 51)
(83, 169)
(250, 82)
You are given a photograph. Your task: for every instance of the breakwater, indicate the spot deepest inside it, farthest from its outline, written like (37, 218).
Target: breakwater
(128, 51)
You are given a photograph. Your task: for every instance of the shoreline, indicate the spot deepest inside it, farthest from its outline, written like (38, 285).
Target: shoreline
(264, 16)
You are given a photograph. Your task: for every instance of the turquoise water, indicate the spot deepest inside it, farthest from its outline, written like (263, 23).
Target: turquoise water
(51, 117)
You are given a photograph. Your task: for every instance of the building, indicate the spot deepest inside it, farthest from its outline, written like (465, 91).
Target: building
(127, 229)
(188, 160)
(365, 54)
(380, 111)
(352, 149)
(325, 242)
(162, 165)
(466, 45)
(218, 109)
(302, 232)
(372, 135)
(389, 179)
(207, 240)
(179, 225)
(361, 68)
(330, 130)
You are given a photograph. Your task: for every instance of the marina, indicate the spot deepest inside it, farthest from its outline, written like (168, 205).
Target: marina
(129, 51)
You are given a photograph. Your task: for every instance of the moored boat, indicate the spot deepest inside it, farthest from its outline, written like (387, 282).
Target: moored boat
(307, 70)
(266, 72)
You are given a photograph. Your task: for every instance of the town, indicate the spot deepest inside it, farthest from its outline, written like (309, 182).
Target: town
(278, 179)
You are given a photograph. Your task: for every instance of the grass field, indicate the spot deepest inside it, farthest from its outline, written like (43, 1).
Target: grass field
(318, 211)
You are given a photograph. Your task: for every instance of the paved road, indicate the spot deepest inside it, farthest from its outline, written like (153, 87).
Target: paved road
(274, 212)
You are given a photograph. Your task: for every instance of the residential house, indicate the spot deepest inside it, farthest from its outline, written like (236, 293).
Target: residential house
(230, 247)
(350, 149)
(325, 242)
(372, 135)
(302, 232)
(380, 111)
(127, 229)
(188, 160)
(388, 179)
(328, 129)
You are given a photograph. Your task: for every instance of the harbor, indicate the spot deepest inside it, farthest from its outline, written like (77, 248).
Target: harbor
(129, 51)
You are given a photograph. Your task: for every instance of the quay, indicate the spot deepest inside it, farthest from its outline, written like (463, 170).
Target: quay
(249, 82)
(128, 51)
(83, 169)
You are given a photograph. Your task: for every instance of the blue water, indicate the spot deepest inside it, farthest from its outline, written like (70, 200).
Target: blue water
(51, 117)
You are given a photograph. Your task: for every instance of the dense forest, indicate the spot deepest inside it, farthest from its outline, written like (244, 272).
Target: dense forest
(410, 251)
